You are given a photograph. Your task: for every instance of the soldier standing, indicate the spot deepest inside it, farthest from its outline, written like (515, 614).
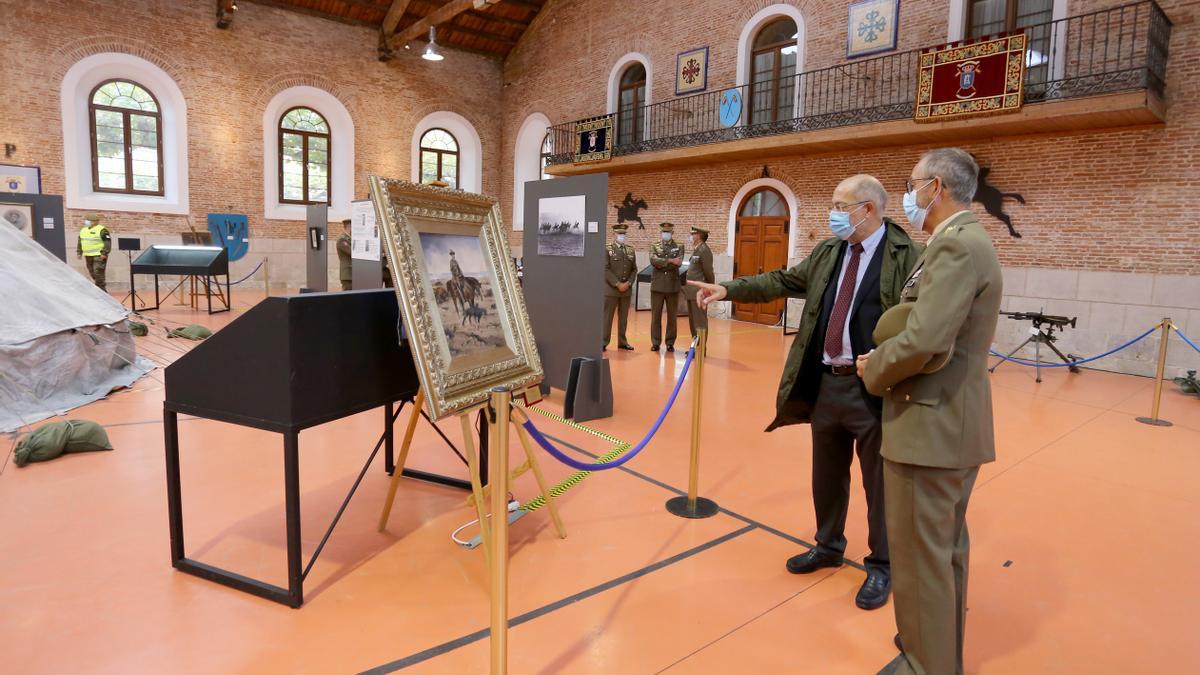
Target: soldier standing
(95, 243)
(666, 257)
(345, 273)
(620, 274)
(700, 268)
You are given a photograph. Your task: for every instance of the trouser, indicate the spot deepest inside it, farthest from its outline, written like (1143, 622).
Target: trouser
(841, 421)
(927, 520)
(347, 285)
(697, 317)
(618, 305)
(659, 300)
(95, 267)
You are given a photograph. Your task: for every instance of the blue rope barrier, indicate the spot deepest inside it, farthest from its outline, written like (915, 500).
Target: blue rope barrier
(252, 273)
(585, 466)
(1110, 352)
(1185, 338)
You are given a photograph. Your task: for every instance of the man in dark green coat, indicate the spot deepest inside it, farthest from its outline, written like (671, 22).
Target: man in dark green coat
(848, 281)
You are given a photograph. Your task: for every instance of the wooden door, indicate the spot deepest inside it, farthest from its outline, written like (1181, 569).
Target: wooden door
(760, 245)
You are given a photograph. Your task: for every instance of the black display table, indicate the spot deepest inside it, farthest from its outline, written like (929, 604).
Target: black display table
(288, 364)
(205, 262)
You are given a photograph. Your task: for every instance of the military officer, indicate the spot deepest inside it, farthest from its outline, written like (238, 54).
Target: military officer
(95, 243)
(666, 257)
(700, 268)
(345, 266)
(620, 273)
(937, 418)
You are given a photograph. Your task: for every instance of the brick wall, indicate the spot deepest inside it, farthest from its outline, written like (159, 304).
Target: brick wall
(227, 78)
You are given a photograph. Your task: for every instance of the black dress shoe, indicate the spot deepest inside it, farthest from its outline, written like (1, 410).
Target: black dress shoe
(812, 561)
(627, 347)
(670, 348)
(875, 590)
(896, 641)
(653, 348)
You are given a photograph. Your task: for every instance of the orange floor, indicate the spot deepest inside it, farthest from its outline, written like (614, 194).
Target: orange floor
(1084, 539)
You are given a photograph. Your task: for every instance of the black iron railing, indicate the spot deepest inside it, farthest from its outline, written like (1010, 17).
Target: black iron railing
(1108, 51)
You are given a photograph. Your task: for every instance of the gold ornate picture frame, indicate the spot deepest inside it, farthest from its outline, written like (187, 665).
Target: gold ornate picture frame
(463, 311)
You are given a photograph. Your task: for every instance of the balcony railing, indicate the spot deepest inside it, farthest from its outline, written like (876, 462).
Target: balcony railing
(1108, 51)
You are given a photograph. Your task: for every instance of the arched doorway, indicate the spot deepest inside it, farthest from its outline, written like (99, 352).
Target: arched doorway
(760, 245)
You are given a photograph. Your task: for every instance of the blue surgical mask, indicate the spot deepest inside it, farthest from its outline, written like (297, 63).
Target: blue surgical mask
(666, 236)
(839, 222)
(916, 214)
(620, 239)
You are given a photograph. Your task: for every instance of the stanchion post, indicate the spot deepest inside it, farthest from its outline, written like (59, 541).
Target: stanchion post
(694, 506)
(1164, 334)
(499, 417)
(267, 276)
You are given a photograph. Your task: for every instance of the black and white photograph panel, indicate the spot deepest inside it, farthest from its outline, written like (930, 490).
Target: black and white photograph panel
(19, 216)
(561, 226)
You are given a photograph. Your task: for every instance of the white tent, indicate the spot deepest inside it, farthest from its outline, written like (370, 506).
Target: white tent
(63, 342)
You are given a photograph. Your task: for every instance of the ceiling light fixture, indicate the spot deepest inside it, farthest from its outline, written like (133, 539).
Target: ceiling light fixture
(431, 52)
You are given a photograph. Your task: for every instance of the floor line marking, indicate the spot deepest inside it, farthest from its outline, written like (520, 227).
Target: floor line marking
(451, 645)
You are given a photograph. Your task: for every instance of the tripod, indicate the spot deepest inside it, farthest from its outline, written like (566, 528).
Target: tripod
(131, 296)
(1040, 335)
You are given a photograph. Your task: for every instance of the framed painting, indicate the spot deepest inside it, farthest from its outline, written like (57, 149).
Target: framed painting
(19, 216)
(463, 311)
(871, 28)
(593, 139)
(691, 71)
(17, 178)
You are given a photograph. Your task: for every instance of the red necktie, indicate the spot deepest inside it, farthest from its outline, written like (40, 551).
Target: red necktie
(841, 307)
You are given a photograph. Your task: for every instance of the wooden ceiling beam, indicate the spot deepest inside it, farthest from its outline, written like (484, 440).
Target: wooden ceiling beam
(471, 32)
(504, 20)
(394, 14)
(440, 16)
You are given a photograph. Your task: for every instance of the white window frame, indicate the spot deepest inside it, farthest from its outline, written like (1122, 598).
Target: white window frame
(470, 148)
(527, 161)
(746, 45)
(74, 93)
(341, 156)
(956, 30)
(614, 86)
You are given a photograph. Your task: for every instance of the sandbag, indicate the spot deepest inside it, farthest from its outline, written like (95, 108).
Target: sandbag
(138, 329)
(57, 438)
(191, 332)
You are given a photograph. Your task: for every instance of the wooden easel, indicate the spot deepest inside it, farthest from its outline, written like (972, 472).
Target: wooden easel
(477, 489)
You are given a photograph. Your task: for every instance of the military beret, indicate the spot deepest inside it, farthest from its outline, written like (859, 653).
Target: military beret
(893, 322)
(620, 227)
(699, 230)
(667, 227)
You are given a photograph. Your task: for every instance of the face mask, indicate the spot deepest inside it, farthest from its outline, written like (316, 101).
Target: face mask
(915, 214)
(839, 222)
(666, 236)
(620, 239)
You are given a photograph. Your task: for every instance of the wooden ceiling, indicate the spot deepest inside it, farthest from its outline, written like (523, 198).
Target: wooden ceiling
(490, 27)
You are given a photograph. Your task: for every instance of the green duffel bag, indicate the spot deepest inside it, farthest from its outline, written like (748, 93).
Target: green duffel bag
(192, 332)
(57, 438)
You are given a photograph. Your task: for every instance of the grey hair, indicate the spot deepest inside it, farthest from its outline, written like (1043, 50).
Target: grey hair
(867, 188)
(956, 168)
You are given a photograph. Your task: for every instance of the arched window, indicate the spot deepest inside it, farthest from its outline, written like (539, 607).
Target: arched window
(303, 157)
(439, 157)
(127, 149)
(772, 72)
(987, 17)
(765, 202)
(631, 96)
(547, 150)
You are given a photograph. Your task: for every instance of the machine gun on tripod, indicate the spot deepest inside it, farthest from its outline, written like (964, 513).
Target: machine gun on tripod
(1041, 333)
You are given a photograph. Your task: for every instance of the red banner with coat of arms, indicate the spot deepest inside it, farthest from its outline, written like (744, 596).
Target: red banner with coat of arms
(985, 77)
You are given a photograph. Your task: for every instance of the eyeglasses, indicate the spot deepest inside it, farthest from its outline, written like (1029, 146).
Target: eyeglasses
(909, 186)
(839, 206)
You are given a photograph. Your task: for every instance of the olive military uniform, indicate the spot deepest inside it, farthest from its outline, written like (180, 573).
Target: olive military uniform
(700, 268)
(664, 288)
(620, 268)
(937, 431)
(95, 243)
(345, 266)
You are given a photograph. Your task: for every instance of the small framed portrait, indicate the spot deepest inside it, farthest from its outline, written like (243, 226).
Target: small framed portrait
(23, 179)
(691, 71)
(19, 216)
(594, 139)
(871, 28)
(462, 307)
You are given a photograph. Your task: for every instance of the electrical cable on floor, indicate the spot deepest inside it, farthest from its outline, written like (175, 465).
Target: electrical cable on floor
(513, 506)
